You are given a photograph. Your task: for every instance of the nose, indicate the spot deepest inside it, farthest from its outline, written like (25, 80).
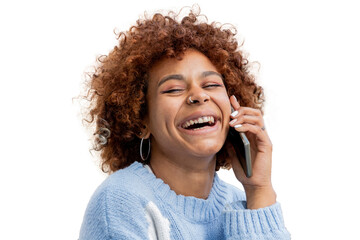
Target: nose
(198, 96)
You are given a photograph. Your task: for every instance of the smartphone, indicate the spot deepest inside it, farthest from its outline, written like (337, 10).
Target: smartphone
(241, 145)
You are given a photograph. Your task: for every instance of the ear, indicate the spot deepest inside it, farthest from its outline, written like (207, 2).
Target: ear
(145, 131)
(145, 134)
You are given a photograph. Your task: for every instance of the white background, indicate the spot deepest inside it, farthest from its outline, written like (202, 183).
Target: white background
(309, 55)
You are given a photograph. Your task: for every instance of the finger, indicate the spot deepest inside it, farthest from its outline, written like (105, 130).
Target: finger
(254, 120)
(234, 103)
(258, 131)
(246, 111)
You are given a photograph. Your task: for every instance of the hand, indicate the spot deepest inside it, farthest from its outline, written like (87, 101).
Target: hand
(258, 188)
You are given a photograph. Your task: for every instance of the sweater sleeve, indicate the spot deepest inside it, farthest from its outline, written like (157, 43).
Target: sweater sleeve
(112, 215)
(261, 224)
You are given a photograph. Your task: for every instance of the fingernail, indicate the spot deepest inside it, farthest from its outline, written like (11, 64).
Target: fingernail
(238, 126)
(235, 97)
(233, 121)
(233, 114)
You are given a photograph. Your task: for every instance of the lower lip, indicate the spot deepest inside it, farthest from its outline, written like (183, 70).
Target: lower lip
(202, 131)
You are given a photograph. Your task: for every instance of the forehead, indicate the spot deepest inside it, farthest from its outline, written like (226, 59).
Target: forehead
(191, 61)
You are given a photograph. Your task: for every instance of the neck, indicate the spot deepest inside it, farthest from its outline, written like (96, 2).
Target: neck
(185, 179)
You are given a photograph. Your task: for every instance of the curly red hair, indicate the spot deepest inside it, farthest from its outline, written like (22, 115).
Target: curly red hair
(118, 87)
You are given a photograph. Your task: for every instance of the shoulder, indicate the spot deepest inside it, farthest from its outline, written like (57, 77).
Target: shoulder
(116, 203)
(130, 180)
(125, 187)
(122, 193)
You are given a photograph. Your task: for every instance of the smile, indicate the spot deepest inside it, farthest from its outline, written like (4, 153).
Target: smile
(199, 123)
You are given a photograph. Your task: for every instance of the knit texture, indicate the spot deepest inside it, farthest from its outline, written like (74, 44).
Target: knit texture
(133, 204)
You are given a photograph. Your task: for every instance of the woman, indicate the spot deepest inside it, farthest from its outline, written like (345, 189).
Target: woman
(163, 112)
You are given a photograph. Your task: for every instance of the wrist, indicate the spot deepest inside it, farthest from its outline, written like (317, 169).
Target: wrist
(260, 197)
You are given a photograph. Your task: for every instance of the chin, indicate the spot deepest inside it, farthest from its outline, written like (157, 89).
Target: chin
(207, 150)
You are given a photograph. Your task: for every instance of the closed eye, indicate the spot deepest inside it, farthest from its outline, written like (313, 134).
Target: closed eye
(178, 90)
(213, 85)
(172, 90)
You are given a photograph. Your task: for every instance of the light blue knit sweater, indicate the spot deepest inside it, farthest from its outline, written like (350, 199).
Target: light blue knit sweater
(133, 204)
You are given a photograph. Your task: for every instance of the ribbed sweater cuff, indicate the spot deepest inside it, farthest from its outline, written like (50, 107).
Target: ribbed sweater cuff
(266, 221)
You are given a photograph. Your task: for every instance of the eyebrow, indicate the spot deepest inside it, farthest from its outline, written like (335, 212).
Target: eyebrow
(173, 76)
(181, 77)
(208, 73)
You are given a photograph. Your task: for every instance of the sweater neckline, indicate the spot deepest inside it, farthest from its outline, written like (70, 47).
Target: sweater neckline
(194, 209)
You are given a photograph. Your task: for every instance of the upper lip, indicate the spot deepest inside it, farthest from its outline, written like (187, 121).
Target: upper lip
(198, 114)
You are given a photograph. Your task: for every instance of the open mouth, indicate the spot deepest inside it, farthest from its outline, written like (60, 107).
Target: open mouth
(199, 123)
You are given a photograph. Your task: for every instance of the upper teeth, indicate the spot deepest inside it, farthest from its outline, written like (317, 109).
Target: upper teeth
(205, 119)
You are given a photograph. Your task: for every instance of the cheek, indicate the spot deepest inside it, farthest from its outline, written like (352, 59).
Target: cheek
(163, 112)
(224, 103)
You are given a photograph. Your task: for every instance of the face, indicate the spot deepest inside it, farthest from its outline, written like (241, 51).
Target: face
(179, 127)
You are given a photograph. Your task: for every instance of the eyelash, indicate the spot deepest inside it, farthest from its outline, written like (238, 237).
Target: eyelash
(178, 90)
(172, 90)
